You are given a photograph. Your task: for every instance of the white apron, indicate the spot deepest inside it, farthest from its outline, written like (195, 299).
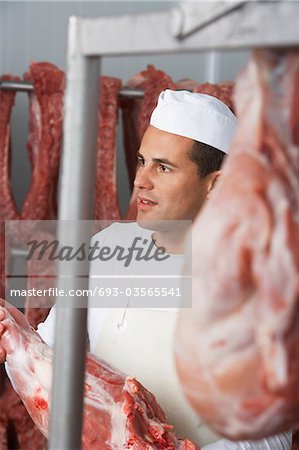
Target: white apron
(142, 348)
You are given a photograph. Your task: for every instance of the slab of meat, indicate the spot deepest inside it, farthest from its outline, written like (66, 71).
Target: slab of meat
(3, 263)
(8, 207)
(41, 274)
(106, 199)
(119, 412)
(45, 139)
(130, 109)
(237, 349)
(20, 431)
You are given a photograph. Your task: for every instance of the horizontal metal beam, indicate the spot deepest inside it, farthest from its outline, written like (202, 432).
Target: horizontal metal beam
(24, 86)
(253, 24)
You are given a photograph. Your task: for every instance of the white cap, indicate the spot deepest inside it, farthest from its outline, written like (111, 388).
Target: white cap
(200, 117)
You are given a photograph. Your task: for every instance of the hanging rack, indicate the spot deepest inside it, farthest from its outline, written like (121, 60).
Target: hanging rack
(24, 86)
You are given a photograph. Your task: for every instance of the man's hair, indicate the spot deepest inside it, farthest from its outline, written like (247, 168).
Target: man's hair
(208, 158)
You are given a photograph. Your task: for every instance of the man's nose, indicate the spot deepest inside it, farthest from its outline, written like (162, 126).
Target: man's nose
(143, 179)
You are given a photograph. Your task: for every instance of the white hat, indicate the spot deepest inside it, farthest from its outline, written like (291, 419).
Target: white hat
(200, 117)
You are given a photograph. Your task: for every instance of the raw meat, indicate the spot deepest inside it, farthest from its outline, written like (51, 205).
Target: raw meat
(119, 412)
(237, 349)
(3, 264)
(130, 109)
(3, 439)
(20, 430)
(41, 274)
(45, 140)
(8, 208)
(106, 199)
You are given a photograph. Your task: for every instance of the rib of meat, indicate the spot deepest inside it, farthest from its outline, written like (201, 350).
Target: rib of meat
(45, 139)
(106, 199)
(237, 349)
(119, 412)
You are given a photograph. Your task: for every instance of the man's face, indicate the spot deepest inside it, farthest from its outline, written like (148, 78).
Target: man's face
(168, 185)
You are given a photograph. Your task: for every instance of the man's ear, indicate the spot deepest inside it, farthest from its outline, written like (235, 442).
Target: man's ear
(211, 182)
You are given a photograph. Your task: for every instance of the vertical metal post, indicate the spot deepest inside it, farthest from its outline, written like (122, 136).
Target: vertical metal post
(212, 67)
(76, 204)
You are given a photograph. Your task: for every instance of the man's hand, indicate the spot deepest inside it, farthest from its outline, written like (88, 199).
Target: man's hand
(19, 318)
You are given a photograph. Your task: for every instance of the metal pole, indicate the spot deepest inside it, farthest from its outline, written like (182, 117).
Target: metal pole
(212, 67)
(76, 204)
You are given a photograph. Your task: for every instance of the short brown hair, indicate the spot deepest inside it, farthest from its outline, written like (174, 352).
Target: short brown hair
(208, 158)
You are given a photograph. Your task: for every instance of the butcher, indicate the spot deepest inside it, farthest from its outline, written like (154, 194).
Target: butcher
(179, 162)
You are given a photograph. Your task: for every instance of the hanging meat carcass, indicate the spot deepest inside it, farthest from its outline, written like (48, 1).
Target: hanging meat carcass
(237, 349)
(106, 198)
(8, 207)
(45, 140)
(119, 412)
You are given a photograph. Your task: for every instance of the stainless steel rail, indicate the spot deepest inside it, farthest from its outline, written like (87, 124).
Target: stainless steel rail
(24, 86)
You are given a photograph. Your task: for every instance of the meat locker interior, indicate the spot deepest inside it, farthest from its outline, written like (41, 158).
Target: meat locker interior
(78, 84)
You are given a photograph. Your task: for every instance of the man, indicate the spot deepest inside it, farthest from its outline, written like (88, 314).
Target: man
(179, 162)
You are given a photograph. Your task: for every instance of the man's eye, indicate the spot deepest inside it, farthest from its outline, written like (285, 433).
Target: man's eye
(163, 168)
(140, 161)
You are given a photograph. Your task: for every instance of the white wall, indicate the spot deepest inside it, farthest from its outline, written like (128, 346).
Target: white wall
(37, 31)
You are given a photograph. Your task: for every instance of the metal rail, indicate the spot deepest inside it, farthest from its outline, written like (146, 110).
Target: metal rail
(24, 86)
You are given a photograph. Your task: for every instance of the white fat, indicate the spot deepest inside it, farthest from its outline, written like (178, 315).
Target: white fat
(29, 368)
(99, 398)
(118, 426)
(43, 372)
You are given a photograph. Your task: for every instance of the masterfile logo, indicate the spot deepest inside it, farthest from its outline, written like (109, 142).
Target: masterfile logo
(113, 264)
(140, 249)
